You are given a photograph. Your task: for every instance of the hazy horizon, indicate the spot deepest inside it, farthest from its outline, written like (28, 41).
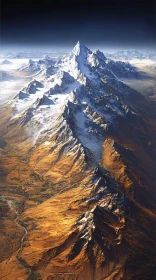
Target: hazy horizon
(109, 25)
(67, 48)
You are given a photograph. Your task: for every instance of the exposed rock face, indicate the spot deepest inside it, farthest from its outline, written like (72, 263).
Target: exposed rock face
(77, 176)
(123, 70)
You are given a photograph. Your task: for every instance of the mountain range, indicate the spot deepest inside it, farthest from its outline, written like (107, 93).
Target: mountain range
(130, 54)
(77, 170)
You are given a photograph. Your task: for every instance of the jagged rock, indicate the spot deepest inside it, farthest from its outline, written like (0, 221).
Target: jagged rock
(22, 95)
(79, 170)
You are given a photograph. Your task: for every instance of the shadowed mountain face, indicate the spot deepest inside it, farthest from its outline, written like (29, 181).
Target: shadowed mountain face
(77, 174)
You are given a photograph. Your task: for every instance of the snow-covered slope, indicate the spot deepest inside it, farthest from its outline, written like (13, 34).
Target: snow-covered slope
(129, 54)
(78, 165)
(46, 64)
(81, 90)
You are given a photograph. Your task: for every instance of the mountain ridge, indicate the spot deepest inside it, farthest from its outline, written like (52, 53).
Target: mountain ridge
(78, 167)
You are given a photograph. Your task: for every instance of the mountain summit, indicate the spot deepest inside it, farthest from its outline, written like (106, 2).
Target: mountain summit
(80, 49)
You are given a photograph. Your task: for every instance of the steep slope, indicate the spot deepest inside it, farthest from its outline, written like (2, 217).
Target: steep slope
(78, 171)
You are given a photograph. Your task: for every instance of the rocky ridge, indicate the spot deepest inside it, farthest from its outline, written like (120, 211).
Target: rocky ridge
(74, 166)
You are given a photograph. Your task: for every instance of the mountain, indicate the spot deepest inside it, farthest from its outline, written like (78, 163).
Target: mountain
(31, 54)
(124, 70)
(4, 76)
(5, 61)
(32, 66)
(78, 175)
(132, 54)
(46, 64)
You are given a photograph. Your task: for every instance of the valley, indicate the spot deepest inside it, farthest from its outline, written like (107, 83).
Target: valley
(77, 167)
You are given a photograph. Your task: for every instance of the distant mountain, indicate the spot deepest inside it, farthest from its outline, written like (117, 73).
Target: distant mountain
(31, 66)
(46, 64)
(30, 54)
(132, 54)
(5, 76)
(78, 173)
(6, 62)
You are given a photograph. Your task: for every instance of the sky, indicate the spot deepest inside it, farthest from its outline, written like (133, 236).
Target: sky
(58, 25)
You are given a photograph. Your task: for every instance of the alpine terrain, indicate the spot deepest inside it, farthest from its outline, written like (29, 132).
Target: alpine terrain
(77, 169)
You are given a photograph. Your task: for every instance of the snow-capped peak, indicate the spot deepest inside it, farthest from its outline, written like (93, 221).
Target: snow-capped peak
(79, 49)
(77, 63)
(47, 57)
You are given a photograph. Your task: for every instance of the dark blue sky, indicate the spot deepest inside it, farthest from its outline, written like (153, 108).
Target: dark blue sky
(110, 23)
